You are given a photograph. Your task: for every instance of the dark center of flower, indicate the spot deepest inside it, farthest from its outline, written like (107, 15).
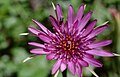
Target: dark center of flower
(68, 44)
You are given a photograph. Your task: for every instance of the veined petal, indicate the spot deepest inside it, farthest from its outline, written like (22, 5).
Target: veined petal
(93, 62)
(59, 12)
(56, 66)
(75, 25)
(84, 21)
(51, 48)
(50, 56)
(71, 67)
(70, 16)
(66, 27)
(36, 44)
(89, 28)
(83, 63)
(97, 31)
(80, 12)
(44, 37)
(99, 52)
(34, 31)
(79, 71)
(54, 22)
(62, 27)
(63, 67)
(41, 26)
(88, 55)
(39, 51)
(100, 44)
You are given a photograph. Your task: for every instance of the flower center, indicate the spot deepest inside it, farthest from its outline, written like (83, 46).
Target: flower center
(68, 44)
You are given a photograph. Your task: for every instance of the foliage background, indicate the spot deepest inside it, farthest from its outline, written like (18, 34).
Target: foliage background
(15, 18)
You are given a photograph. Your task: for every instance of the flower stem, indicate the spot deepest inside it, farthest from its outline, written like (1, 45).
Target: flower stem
(64, 73)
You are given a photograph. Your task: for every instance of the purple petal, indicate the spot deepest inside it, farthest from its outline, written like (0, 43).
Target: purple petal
(62, 27)
(66, 27)
(51, 48)
(83, 63)
(50, 56)
(44, 37)
(79, 71)
(54, 22)
(80, 12)
(75, 24)
(70, 16)
(97, 31)
(56, 66)
(41, 26)
(40, 34)
(84, 21)
(36, 44)
(38, 51)
(99, 52)
(59, 12)
(93, 62)
(100, 44)
(71, 67)
(88, 55)
(63, 67)
(34, 31)
(89, 28)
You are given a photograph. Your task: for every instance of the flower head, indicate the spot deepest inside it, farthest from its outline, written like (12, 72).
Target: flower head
(72, 44)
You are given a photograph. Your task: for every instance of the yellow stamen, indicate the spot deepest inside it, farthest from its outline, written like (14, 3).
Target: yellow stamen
(73, 50)
(65, 44)
(60, 43)
(61, 39)
(64, 48)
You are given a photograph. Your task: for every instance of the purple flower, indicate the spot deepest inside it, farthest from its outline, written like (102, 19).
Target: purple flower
(72, 44)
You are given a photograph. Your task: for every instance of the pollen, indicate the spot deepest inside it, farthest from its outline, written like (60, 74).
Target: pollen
(73, 50)
(65, 49)
(61, 39)
(68, 44)
(65, 44)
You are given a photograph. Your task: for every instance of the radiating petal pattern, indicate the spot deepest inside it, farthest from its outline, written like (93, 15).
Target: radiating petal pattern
(70, 16)
(50, 56)
(54, 22)
(73, 43)
(84, 21)
(97, 31)
(34, 30)
(99, 52)
(59, 12)
(83, 63)
(63, 67)
(38, 51)
(36, 44)
(79, 71)
(80, 12)
(71, 67)
(56, 66)
(93, 62)
(41, 26)
(100, 44)
(90, 27)
(44, 37)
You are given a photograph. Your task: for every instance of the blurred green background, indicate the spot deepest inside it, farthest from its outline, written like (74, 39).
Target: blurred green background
(15, 18)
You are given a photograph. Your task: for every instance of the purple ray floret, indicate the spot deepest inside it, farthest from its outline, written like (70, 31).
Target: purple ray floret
(72, 44)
